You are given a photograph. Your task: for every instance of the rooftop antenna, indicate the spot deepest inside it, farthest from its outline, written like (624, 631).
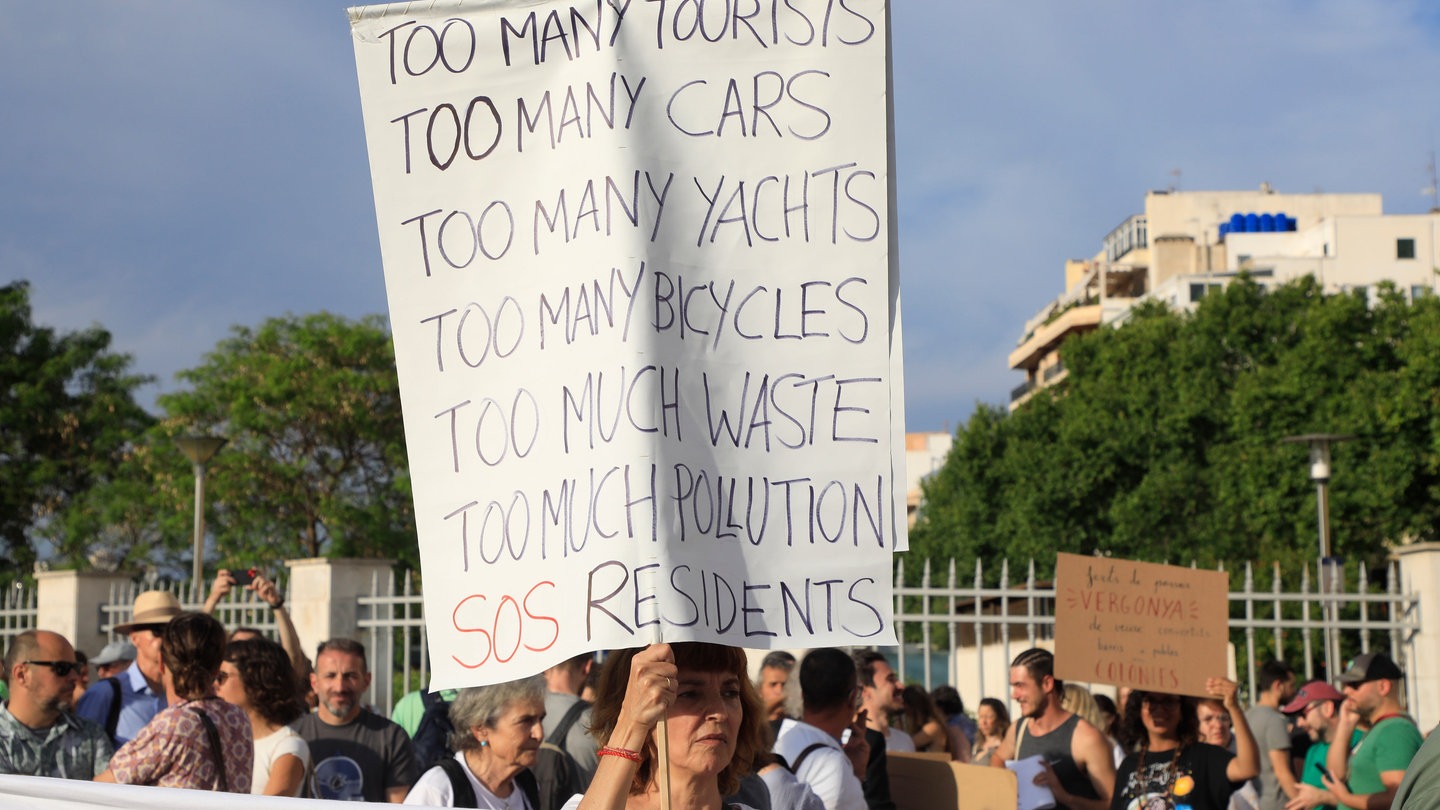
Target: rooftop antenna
(1175, 183)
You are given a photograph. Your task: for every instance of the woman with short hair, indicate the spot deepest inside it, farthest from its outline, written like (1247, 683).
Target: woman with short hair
(199, 741)
(496, 740)
(256, 675)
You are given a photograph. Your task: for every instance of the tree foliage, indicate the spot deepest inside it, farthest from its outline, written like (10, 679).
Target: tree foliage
(67, 419)
(315, 464)
(1166, 441)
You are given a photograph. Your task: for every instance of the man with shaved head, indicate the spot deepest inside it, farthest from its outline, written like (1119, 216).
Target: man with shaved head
(39, 736)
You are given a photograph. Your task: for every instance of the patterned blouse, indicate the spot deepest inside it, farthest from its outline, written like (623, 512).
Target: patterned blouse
(173, 750)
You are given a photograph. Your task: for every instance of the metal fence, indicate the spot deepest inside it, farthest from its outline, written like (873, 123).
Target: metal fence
(961, 632)
(394, 618)
(239, 608)
(17, 611)
(1266, 621)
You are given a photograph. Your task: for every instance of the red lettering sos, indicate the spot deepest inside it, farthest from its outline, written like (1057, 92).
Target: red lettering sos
(513, 624)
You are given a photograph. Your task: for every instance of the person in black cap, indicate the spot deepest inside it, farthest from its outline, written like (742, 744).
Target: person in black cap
(1367, 776)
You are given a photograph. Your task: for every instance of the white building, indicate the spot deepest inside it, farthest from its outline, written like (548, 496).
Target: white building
(1188, 243)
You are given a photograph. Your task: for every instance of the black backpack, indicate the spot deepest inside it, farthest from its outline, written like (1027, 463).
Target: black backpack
(432, 736)
(556, 771)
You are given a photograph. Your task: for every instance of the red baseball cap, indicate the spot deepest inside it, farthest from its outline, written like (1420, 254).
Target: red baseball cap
(1309, 693)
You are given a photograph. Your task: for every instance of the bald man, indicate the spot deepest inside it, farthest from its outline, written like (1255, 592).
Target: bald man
(39, 736)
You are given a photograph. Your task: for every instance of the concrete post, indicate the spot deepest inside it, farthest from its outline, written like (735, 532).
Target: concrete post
(323, 594)
(1420, 575)
(68, 603)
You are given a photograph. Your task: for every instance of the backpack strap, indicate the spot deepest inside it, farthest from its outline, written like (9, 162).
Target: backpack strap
(222, 782)
(112, 719)
(809, 749)
(525, 782)
(557, 737)
(459, 783)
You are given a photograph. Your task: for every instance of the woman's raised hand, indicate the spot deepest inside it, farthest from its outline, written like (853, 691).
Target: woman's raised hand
(649, 692)
(1224, 689)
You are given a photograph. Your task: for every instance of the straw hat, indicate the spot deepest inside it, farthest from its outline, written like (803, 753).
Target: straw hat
(151, 607)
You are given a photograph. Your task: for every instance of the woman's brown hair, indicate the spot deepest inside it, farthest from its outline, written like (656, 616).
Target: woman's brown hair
(695, 656)
(192, 646)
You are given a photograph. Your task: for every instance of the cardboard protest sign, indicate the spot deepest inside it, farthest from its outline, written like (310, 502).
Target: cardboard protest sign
(640, 267)
(1156, 627)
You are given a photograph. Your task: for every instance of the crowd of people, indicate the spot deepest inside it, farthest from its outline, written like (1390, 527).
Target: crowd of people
(179, 702)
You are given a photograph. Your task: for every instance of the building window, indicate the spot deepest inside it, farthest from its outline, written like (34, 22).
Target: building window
(1419, 291)
(1404, 248)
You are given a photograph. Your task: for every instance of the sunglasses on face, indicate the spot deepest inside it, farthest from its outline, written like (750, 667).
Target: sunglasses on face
(61, 668)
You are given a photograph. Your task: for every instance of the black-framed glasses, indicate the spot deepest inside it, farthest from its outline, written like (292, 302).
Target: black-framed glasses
(61, 668)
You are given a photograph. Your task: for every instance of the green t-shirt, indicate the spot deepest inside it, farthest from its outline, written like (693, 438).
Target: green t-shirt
(1315, 755)
(1389, 746)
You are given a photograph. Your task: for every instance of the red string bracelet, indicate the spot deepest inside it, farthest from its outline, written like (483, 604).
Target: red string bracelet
(607, 751)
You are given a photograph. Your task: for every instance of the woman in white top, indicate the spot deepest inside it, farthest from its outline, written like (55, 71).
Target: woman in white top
(496, 740)
(256, 675)
(714, 722)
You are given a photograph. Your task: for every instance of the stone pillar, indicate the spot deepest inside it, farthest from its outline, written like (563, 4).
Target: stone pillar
(323, 594)
(1420, 575)
(68, 603)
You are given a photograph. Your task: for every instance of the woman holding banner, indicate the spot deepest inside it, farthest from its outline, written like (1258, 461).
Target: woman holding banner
(696, 695)
(1172, 768)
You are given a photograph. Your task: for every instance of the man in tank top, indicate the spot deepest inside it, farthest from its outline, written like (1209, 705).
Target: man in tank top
(1080, 763)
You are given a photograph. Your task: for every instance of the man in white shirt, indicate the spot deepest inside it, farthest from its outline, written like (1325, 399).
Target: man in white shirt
(811, 745)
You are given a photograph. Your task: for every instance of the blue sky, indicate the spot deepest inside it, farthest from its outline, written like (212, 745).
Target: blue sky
(170, 169)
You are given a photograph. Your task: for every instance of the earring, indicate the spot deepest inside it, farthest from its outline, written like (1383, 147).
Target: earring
(484, 743)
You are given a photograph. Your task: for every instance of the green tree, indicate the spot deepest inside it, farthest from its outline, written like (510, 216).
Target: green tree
(315, 464)
(316, 461)
(1165, 443)
(67, 420)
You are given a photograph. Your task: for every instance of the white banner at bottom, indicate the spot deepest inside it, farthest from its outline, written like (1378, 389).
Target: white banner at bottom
(44, 793)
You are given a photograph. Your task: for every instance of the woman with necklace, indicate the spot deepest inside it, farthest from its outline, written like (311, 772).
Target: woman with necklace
(496, 740)
(1172, 769)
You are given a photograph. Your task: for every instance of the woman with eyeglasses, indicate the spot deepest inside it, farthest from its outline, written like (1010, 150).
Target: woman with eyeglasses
(256, 675)
(1172, 768)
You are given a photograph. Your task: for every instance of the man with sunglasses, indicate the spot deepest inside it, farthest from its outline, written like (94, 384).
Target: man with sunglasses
(1316, 711)
(38, 734)
(123, 704)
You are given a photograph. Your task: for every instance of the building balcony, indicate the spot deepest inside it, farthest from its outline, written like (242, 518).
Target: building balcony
(1047, 337)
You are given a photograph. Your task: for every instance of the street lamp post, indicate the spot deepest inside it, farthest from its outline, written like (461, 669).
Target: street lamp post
(1330, 568)
(199, 449)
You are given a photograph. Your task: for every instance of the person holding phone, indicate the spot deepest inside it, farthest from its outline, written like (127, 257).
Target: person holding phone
(1316, 711)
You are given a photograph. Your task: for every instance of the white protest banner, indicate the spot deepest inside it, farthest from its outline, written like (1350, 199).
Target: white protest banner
(639, 261)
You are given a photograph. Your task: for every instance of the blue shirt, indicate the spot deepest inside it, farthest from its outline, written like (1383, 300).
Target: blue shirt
(138, 703)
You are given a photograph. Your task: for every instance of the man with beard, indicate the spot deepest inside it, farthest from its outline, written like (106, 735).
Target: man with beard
(38, 734)
(358, 755)
(1367, 776)
(1079, 761)
(774, 684)
(1316, 709)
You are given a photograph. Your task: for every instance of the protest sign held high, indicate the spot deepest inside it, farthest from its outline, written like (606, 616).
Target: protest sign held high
(640, 266)
(1160, 628)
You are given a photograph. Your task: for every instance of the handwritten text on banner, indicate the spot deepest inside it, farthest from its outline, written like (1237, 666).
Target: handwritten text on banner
(638, 259)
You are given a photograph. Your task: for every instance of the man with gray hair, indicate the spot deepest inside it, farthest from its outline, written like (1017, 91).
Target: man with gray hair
(39, 736)
(774, 684)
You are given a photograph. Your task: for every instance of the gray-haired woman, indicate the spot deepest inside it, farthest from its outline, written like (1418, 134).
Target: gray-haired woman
(496, 740)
